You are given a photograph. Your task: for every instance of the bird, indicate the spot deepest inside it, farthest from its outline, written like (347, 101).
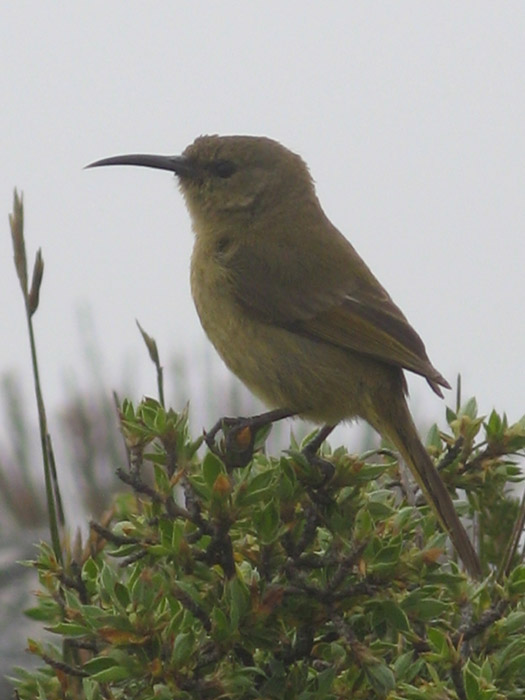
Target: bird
(292, 308)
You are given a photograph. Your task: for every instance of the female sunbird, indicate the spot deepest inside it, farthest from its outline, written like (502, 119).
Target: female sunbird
(290, 306)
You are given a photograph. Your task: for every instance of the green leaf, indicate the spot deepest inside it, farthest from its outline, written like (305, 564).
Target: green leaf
(46, 611)
(69, 629)
(182, 648)
(221, 625)
(470, 409)
(370, 472)
(239, 599)
(423, 608)
(363, 525)
(434, 438)
(90, 689)
(494, 426)
(517, 581)
(268, 523)
(111, 675)
(325, 681)
(90, 569)
(122, 594)
(472, 688)
(515, 666)
(438, 641)
(211, 468)
(514, 622)
(161, 478)
(190, 590)
(450, 415)
(99, 663)
(407, 666)
(261, 436)
(508, 655)
(379, 510)
(389, 554)
(253, 491)
(108, 578)
(381, 677)
(486, 671)
(394, 615)
(105, 669)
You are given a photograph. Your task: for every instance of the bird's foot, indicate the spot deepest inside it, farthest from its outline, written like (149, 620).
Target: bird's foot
(237, 447)
(310, 453)
(323, 465)
(241, 436)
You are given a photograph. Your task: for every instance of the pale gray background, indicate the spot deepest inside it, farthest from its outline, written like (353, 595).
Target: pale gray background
(410, 114)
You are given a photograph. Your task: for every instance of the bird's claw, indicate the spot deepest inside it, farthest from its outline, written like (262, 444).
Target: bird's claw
(325, 467)
(236, 450)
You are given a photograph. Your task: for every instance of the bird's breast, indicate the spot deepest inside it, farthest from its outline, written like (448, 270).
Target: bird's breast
(212, 291)
(284, 369)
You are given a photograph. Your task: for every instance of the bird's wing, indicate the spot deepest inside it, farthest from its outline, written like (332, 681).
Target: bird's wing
(350, 309)
(380, 331)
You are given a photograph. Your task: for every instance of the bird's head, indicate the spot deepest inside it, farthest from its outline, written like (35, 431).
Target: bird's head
(231, 177)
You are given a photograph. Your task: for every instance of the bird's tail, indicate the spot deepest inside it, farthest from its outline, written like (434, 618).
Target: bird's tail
(400, 429)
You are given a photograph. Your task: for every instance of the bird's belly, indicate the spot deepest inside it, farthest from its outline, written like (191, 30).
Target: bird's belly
(318, 381)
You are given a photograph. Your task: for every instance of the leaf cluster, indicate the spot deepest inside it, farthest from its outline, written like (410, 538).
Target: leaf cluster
(275, 582)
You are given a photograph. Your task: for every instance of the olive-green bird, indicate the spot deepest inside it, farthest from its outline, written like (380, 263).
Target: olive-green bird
(290, 306)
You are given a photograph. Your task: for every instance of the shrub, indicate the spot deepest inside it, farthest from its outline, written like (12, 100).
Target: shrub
(205, 581)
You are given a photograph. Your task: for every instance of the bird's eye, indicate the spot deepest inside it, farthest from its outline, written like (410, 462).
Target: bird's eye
(223, 168)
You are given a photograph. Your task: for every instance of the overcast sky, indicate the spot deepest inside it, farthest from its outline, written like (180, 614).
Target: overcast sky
(410, 115)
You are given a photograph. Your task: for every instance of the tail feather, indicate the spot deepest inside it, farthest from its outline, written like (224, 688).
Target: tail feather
(402, 432)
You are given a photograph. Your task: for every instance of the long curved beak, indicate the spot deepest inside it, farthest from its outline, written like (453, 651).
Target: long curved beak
(176, 164)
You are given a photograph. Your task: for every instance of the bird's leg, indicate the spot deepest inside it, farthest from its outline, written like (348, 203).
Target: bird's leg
(239, 435)
(311, 449)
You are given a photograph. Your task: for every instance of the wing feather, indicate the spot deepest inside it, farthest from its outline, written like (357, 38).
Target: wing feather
(350, 309)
